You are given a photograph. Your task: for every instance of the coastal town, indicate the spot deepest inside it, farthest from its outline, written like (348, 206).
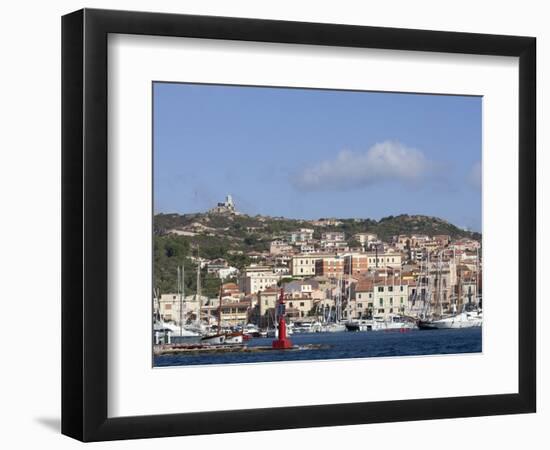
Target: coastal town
(323, 280)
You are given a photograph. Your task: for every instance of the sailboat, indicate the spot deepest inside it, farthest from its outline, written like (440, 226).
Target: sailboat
(208, 338)
(471, 315)
(334, 323)
(183, 330)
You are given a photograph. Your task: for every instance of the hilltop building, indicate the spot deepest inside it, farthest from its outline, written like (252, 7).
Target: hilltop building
(227, 207)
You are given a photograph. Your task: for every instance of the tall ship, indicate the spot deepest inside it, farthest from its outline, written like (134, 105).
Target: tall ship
(433, 317)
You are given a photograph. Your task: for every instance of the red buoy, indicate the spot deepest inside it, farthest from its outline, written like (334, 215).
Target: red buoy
(282, 342)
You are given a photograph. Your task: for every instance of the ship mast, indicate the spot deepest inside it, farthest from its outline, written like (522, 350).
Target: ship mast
(180, 290)
(198, 294)
(220, 312)
(478, 297)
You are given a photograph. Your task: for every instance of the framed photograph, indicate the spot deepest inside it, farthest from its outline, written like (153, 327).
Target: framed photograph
(272, 224)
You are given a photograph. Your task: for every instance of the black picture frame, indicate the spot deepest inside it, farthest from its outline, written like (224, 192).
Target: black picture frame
(84, 224)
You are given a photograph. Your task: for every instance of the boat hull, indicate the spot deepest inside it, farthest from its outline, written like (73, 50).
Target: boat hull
(214, 340)
(458, 321)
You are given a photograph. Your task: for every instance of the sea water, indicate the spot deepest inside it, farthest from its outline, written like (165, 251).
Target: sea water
(344, 345)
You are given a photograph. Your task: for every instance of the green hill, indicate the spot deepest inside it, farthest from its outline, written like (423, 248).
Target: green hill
(233, 236)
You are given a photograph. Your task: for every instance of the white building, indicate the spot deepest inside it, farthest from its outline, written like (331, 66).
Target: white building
(227, 272)
(227, 207)
(303, 265)
(258, 278)
(301, 235)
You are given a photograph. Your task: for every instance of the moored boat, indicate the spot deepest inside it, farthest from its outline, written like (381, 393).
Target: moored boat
(466, 319)
(214, 339)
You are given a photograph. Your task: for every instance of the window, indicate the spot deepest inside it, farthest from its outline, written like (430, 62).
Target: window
(401, 300)
(302, 304)
(401, 288)
(290, 304)
(390, 288)
(370, 305)
(380, 288)
(173, 297)
(381, 311)
(370, 294)
(381, 301)
(391, 300)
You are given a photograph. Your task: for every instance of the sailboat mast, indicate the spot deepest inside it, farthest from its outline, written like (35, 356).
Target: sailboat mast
(349, 288)
(180, 301)
(220, 312)
(439, 286)
(477, 276)
(198, 294)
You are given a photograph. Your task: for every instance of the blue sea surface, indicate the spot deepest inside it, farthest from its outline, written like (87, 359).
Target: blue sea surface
(344, 345)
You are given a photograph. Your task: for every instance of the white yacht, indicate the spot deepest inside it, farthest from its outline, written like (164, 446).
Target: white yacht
(174, 329)
(333, 327)
(380, 323)
(468, 318)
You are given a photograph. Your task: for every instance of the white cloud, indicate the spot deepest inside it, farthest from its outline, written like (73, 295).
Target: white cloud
(474, 177)
(383, 161)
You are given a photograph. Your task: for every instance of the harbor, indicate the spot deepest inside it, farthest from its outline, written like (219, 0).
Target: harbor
(344, 345)
(316, 293)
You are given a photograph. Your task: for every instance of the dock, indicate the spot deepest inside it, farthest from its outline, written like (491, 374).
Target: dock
(178, 349)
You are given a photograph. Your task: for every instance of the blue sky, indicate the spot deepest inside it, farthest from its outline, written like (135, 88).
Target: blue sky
(305, 153)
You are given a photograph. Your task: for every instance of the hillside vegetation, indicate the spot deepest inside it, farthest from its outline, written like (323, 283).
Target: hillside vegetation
(233, 236)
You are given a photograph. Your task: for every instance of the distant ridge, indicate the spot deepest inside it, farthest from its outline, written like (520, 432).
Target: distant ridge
(240, 226)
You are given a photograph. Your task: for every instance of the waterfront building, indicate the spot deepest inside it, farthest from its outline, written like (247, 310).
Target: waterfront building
(379, 297)
(298, 306)
(168, 305)
(235, 313)
(264, 311)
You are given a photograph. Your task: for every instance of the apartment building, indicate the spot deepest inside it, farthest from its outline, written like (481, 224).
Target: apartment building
(356, 264)
(329, 266)
(379, 298)
(301, 235)
(303, 265)
(257, 278)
